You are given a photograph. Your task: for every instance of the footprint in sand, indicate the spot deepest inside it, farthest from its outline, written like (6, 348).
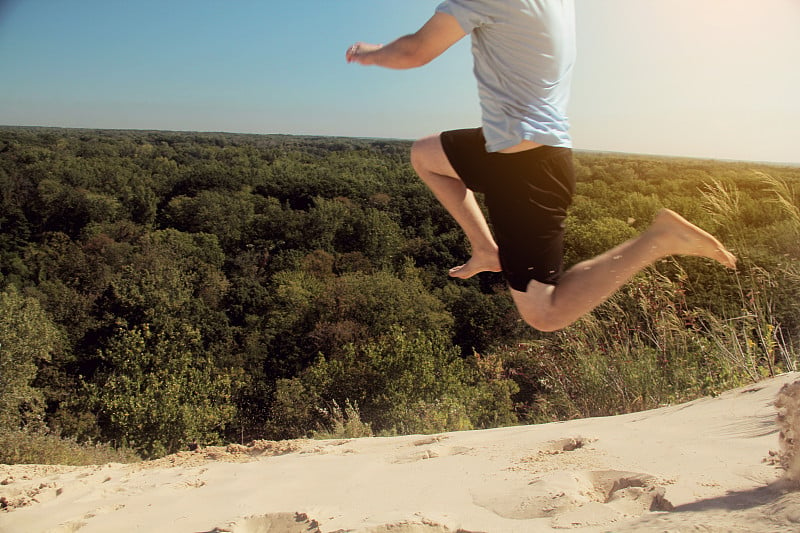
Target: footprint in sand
(282, 522)
(67, 527)
(431, 451)
(434, 439)
(571, 452)
(577, 499)
(103, 510)
(567, 445)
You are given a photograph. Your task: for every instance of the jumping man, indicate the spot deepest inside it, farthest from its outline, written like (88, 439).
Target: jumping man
(521, 159)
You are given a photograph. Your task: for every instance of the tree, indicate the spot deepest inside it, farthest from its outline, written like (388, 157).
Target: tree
(27, 336)
(159, 391)
(224, 214)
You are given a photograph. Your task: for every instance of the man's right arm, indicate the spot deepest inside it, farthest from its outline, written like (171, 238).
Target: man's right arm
(411, 51)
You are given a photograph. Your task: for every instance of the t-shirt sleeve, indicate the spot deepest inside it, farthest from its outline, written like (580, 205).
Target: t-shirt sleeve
(468, 13)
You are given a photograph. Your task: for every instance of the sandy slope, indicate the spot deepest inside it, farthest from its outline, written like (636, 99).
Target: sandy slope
(702, 466)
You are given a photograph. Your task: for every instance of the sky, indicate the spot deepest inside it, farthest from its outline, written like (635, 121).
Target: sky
(698, 78)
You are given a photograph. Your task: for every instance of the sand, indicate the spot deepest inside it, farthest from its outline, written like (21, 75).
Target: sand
(714, 464)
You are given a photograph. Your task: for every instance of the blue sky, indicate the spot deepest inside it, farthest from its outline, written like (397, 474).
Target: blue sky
(704, 78)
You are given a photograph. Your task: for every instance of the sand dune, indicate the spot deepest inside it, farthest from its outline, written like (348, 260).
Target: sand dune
(714, 464)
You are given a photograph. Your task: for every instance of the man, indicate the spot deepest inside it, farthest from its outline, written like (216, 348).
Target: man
(521, 159)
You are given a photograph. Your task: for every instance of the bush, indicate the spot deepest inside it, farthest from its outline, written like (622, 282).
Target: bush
(343, 423)
(402, 382)
(28, 446)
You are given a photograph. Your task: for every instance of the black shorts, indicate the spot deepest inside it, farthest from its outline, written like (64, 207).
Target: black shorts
(527, 194)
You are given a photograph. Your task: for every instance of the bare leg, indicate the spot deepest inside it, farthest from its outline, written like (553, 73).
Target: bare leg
(432, 165)
(589, 283)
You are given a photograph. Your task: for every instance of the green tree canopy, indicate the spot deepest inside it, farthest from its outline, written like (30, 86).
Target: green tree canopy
(27, 336)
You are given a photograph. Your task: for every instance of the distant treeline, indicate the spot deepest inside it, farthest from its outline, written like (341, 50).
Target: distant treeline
(160, 289)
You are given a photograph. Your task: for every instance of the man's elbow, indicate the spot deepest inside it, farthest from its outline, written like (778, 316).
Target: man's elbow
(430, 41)
(416, 60)
(413, 53)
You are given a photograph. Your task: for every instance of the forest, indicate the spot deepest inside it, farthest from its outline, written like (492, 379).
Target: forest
(163, 290)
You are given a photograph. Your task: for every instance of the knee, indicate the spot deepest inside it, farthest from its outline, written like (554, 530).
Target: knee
(536, 309)
(422, 154)
(541, 321)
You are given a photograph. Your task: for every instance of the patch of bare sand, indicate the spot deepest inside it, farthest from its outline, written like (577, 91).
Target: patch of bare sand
(713, 465)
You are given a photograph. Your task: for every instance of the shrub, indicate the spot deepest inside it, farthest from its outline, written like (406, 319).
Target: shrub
(343, 423)
(28, 446)
(159, 393)
(402, 382)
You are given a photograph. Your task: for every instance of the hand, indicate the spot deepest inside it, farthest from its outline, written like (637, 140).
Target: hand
(359, 52)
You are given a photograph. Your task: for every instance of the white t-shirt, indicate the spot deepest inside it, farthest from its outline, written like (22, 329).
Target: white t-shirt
(523, 52)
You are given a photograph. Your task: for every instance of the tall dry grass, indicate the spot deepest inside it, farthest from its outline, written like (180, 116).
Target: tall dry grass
(647, 346)
(31, 446)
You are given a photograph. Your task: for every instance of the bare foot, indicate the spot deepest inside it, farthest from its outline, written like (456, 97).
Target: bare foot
(688, 239)
(476, 264)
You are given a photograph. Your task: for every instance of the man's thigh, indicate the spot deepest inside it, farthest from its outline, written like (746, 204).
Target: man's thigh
(428, 155)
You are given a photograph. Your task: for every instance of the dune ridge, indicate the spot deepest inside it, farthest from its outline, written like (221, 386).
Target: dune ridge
(715, 464)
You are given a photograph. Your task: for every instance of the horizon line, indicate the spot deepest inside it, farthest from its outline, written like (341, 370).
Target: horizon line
(791, 164)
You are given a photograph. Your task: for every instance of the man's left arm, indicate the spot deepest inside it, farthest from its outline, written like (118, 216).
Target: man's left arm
(410, 51)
